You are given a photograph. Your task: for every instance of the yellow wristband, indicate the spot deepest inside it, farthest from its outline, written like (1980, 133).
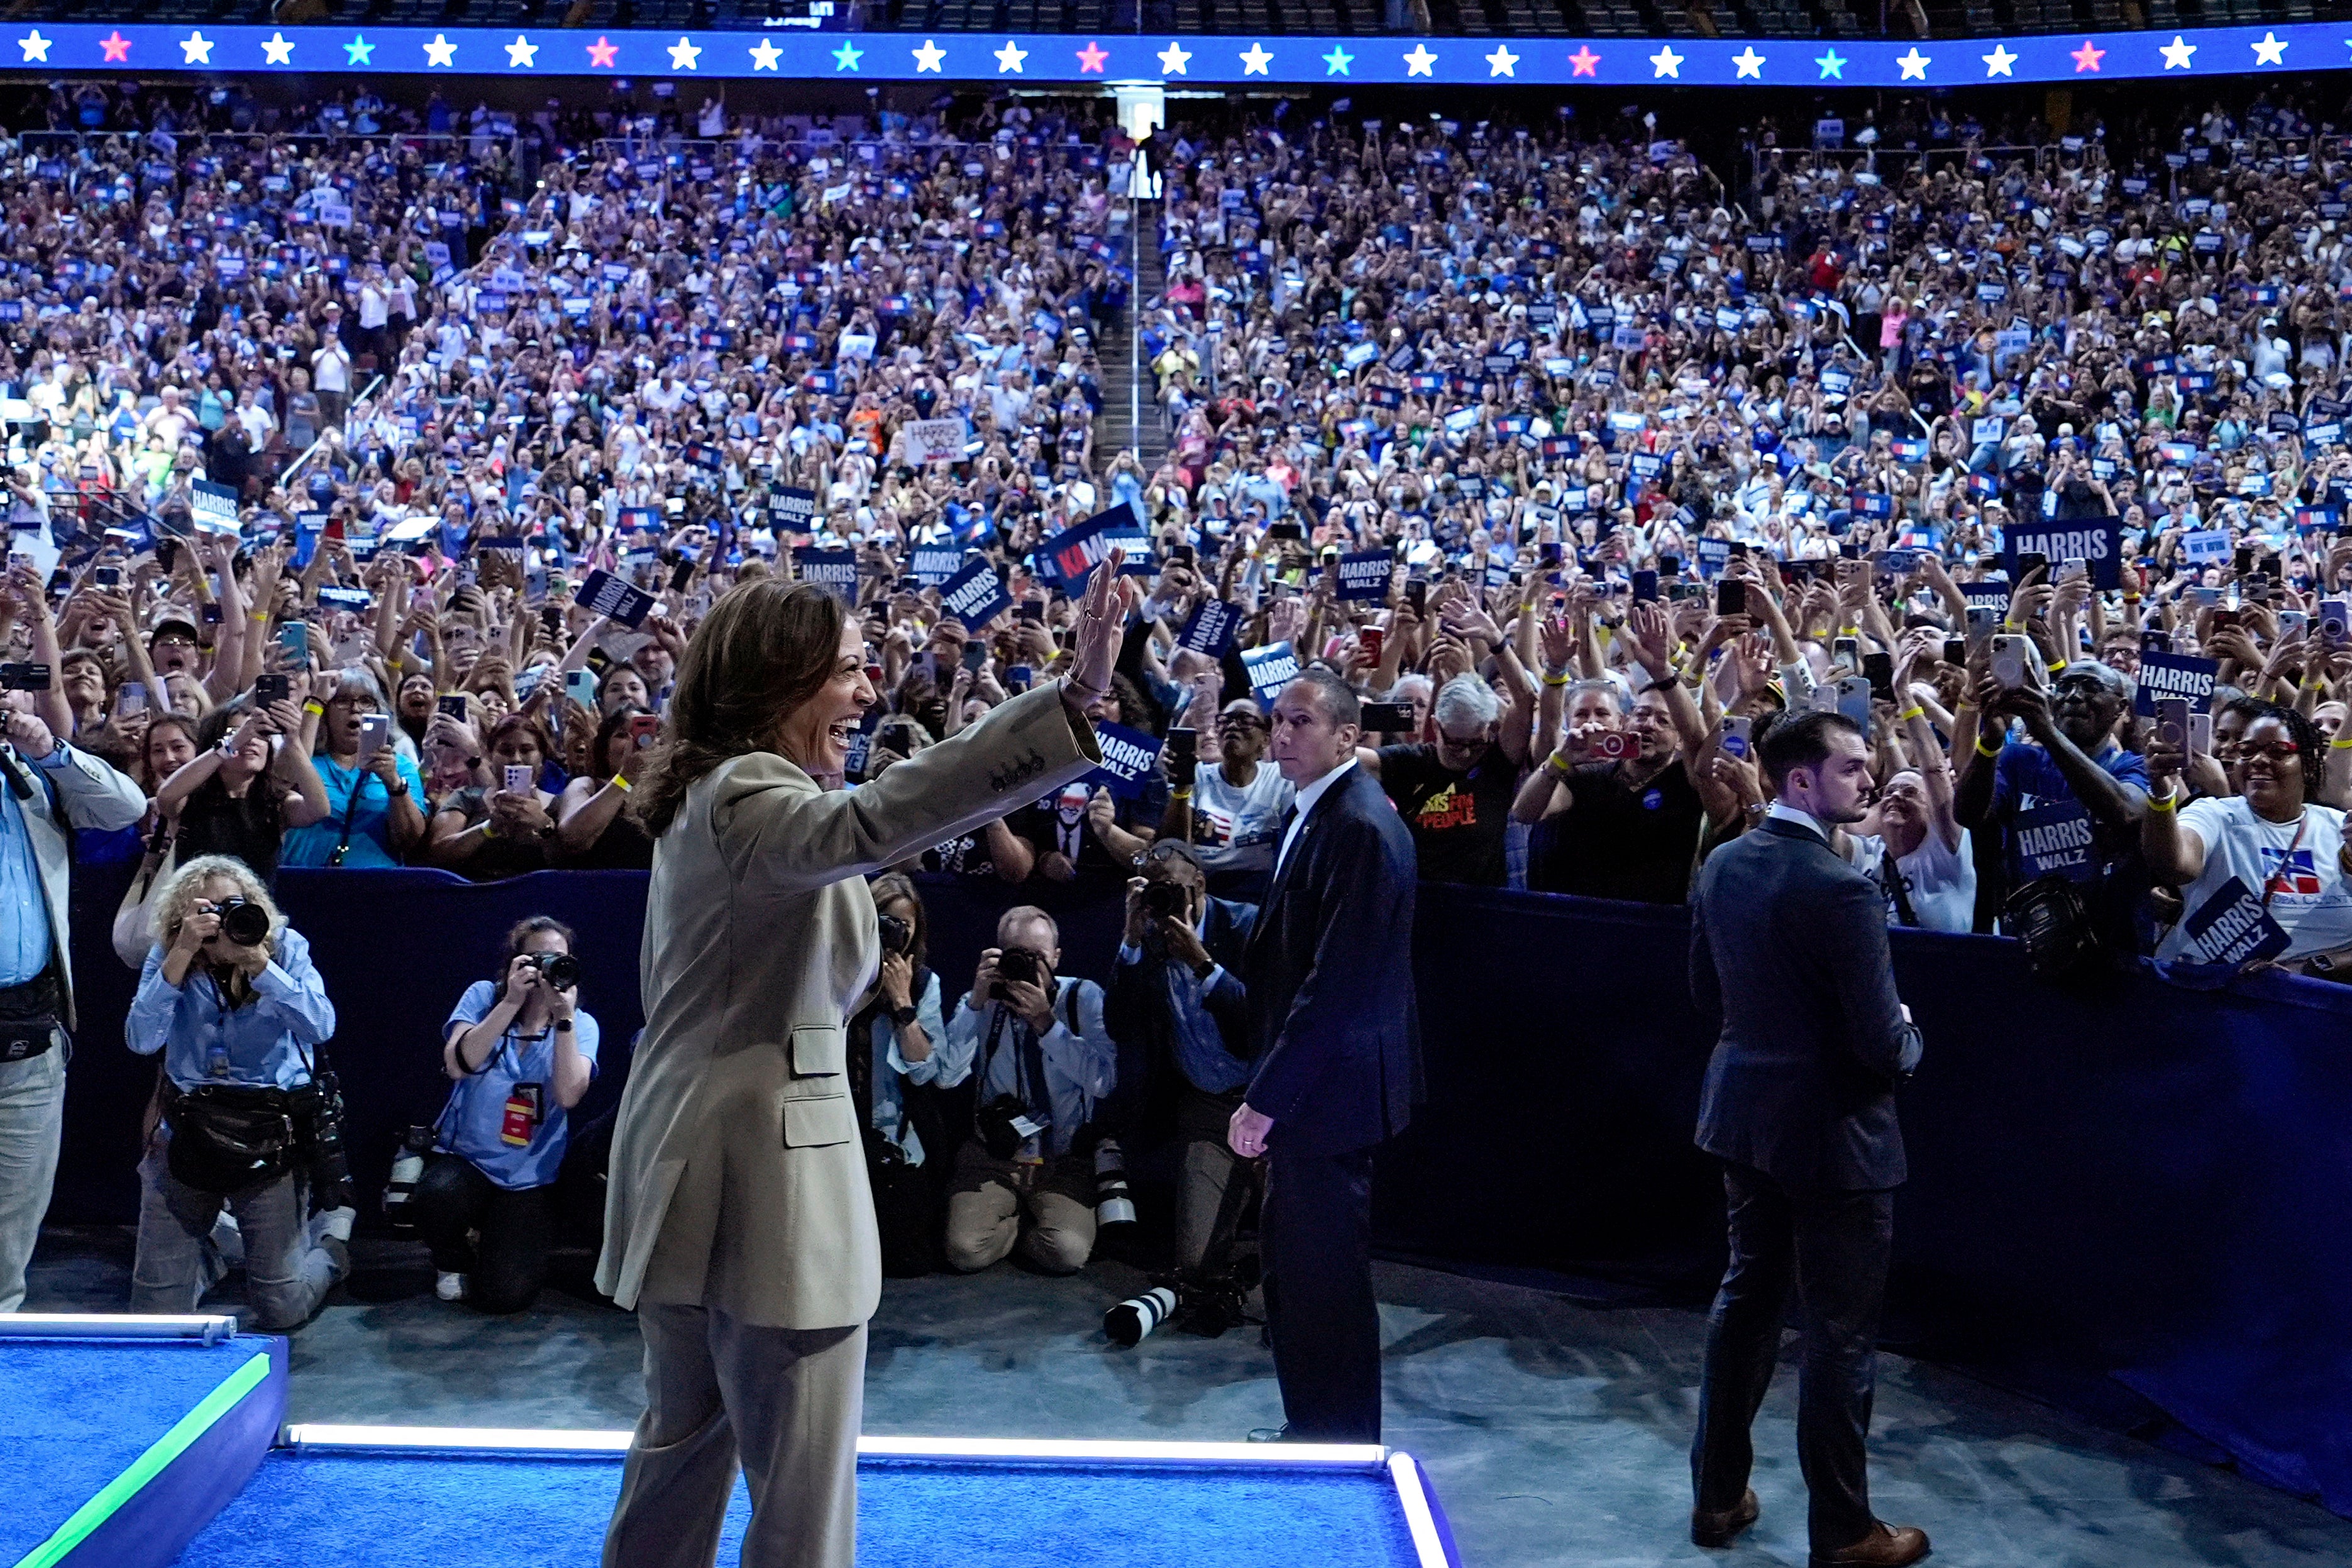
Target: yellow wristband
(261, 615)
(2164, 802)
(620, 784)
(1985, 751)
(2341, 743)
(2013, 627)
(314, 707)
(490, 830)
(1849, 631)
(1910, 713)
(1559, 680)
(2056, 665)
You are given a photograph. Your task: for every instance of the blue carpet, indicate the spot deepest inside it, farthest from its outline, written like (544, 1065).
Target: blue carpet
(377, 1511)
(74, 1412)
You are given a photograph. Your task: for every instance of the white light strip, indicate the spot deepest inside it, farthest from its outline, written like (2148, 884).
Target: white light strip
(211, 1329)
(1427, 1544)
(480, 1439)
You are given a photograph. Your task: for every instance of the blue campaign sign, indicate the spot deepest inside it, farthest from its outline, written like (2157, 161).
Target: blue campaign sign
(2165, 675)
(976, 595)
(935, 564)
(1270, 670)
(2096, 541)
(2233, 928)
(1078, 549)
(2182, 55)
(1211, 627)
(1128, 757)
(836, 569)
(1366, 575)
(1714, 555)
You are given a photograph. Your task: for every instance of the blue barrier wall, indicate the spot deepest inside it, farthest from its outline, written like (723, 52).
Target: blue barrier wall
(2126, 1181)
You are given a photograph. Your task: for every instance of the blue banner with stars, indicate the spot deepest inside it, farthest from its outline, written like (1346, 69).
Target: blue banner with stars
(1193, 60)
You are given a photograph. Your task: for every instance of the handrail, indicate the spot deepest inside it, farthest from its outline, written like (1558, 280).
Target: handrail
(345, 431)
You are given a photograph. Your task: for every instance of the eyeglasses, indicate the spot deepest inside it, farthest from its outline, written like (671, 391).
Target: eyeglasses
(2276, 750)
(2089, 683)
(1243, 721)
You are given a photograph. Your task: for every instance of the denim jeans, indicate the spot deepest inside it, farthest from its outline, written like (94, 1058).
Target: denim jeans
(286, 1275)
(32, 1114)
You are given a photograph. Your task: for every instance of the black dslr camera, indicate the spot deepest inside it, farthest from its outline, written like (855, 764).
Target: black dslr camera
(243, 921)
(898, 936)
(1016, 964)
(560, 969)
(1161, 898)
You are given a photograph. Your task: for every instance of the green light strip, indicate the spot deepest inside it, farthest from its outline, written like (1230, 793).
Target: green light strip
(147, 1466)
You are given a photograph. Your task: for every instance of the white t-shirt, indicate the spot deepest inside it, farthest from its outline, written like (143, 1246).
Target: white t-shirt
(1234, 829)
(2303, 877)
(1941, 883)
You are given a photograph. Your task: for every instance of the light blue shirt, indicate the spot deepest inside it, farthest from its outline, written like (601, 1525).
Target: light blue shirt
(26, 945)
(1080, 1065)
(371, 823)
(203, 1040)
(474, 1125)
(891, 1066)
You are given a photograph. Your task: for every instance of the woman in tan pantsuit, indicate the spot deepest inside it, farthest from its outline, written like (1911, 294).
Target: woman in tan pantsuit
(739, 1223)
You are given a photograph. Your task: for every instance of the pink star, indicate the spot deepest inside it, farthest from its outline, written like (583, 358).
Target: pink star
(1091, 57)
(2088, 57)
(1584, 59)
(602, 51)
(116, 47)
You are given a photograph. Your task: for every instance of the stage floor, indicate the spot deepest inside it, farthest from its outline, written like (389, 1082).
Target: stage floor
(1556, 1434)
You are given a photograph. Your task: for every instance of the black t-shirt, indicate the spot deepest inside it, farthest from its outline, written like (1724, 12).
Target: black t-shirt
(249, 826)
(1458, 820)
(1620, 841)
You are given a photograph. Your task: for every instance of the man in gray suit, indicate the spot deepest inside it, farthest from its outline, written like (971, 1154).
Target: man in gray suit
(47, 788)
(1788, 955)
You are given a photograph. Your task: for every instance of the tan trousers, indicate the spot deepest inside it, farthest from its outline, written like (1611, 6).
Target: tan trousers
(788, 1401)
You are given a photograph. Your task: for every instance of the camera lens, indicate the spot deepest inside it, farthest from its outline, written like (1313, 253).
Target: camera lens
(244, 922)
(561, 970)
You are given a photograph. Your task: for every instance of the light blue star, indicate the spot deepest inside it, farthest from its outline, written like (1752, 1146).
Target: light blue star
(1831, 66)
(845, 58)
(1337, 62)
(359, 49)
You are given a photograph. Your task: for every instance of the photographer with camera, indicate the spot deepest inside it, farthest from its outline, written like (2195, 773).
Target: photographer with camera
(893, 1062)
(1177, 1005)
(249, 1117)
(522, 1054)
(48, 791)
(1044, 1059)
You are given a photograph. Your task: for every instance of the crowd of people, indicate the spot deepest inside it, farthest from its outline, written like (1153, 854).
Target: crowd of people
(373, 464)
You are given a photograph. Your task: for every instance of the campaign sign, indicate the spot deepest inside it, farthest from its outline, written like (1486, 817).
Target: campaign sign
(213, 507)
(1986, 596)
(2054, 840)
(935, 440)
(2207, 545)
(793, 510)
(1077, 550)
(975, 596)
(2233, 928)
(1128, 757)
(1366, 575)
(1270, 670)
(1210, 629)
(605, 594)
(935, 564)
(2163, 675)
(1713, 555)
(2096, 541)
(836, 569)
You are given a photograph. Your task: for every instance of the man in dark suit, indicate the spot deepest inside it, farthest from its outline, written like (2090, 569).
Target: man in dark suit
(1330, 970)
(1788, 953)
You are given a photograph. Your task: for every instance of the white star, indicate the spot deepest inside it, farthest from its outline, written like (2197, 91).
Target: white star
(1254, 59)
(1749, 62)
(522, 52)
(765, 55)
(195, 50)
(1418, 62)
(685, 54)
(2176, 54)
(440, 51)
(1998, 62)
(278, 50)
(1666, 62)
(1009, 57)
(2271, 50)
(36, 47)
(1501, 61)
(1831, 64)
(1914, 64)
(1172, 58)
(929, 57)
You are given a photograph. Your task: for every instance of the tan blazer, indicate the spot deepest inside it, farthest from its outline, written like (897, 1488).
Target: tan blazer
(738, 1174)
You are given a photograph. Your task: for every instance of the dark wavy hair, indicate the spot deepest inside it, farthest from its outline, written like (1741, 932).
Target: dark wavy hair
(764, 649)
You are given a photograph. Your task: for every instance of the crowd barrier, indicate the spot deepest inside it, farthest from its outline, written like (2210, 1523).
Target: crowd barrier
(2126, 1181)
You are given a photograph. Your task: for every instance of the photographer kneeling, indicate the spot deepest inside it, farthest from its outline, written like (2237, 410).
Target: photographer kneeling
(1044, 1059)
(1176, 994)
(229, 997)
(522, 1054)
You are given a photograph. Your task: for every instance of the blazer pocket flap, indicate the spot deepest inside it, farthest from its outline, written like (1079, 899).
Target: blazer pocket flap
(813, 1123)
(817, 1048)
